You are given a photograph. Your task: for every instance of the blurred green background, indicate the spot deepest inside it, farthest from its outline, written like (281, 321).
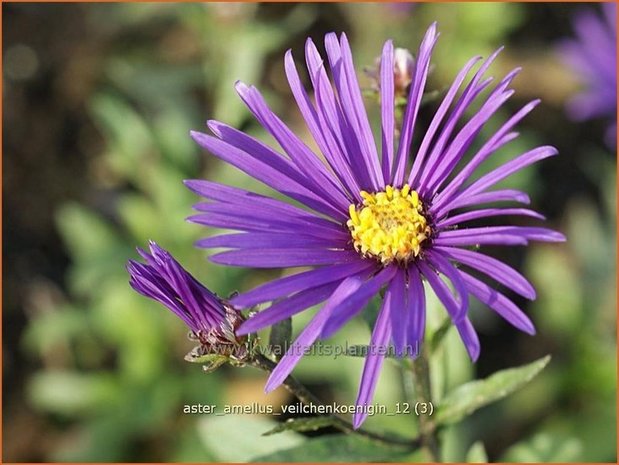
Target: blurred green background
(98, 102)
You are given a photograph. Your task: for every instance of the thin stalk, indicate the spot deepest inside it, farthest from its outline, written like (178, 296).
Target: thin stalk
(420, 370)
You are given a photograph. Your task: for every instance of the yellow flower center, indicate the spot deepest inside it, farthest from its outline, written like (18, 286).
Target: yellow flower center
(389, 225)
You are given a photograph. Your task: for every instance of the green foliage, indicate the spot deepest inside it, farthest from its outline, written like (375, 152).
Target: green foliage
(477, 453)
(471, 396)
(301, 424)
(338, 448)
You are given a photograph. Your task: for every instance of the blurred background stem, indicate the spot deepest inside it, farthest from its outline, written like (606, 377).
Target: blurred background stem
(420, 370)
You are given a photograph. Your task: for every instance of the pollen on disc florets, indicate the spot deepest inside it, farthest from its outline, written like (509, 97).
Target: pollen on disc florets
(389, 225)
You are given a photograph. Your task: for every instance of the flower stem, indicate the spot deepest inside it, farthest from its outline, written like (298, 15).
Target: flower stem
(307, 398)
(420, 370)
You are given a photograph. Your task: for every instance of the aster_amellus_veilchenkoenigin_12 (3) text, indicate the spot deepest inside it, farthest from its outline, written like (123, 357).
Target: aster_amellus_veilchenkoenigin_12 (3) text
(369, 223)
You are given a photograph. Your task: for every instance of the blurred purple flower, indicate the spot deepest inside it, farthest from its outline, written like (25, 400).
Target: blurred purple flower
(163, 279)
(370, 222)
(593, 57)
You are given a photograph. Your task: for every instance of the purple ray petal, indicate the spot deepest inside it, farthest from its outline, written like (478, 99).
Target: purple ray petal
(351, 110)
(357, 301)
(374, 360)
(265, 173)
(438, 118)
(307, 279)
(332, 119)
(311, 332)
(500, 235)
(501, 195)
(236, 196)
(443, 293)
(508, 169)
(366, 135)
(262, 225)
(499, 303)
(469, 338)
(440, 262)
(270, 241)
(499, 138)
(493, 268)
(288, 307)
(416, 308)
(438, 173)
(323, 138)
(422, 66)
(387, 100)
(299, 153)
(395, 298)
(484, 213)
(472, 90)
(274, 258)
(281, 220)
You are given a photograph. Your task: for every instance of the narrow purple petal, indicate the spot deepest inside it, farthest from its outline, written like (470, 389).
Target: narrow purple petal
(274, 258)
(236, 196)
(422, 66)
(374, 361)
(501, 195)
(443, 293)
(332, 120)
(251, 224)
(270, 241)
(498, 139)
(311, 332)
(299, 153)
(501, 235)
(472, 90)
(287, 307)
(323, 138)
(352, 109)
(274, 220)
(387, 100)
(484, 213)
(265, 173)
(493, 268)
(366, 135)
(307, 279)
(469, 338)
(438, 118)
(438, 173)
(357, 301)
(441, 264)
(499, 303)
(395, 298)
(509, 168)
(416, 308)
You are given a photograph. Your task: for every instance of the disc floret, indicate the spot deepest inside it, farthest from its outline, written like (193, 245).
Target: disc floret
(390, 225)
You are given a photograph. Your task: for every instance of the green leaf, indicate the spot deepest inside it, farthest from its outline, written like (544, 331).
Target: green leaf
(338, 448)
(477, 453)
(280, 337)
(70, 393)
(302, 424)
(469, 397)
(213, 431)
(545, 448)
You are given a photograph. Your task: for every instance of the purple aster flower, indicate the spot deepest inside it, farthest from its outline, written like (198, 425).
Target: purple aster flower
(369, 222)
(211, 322)
(593, 57)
